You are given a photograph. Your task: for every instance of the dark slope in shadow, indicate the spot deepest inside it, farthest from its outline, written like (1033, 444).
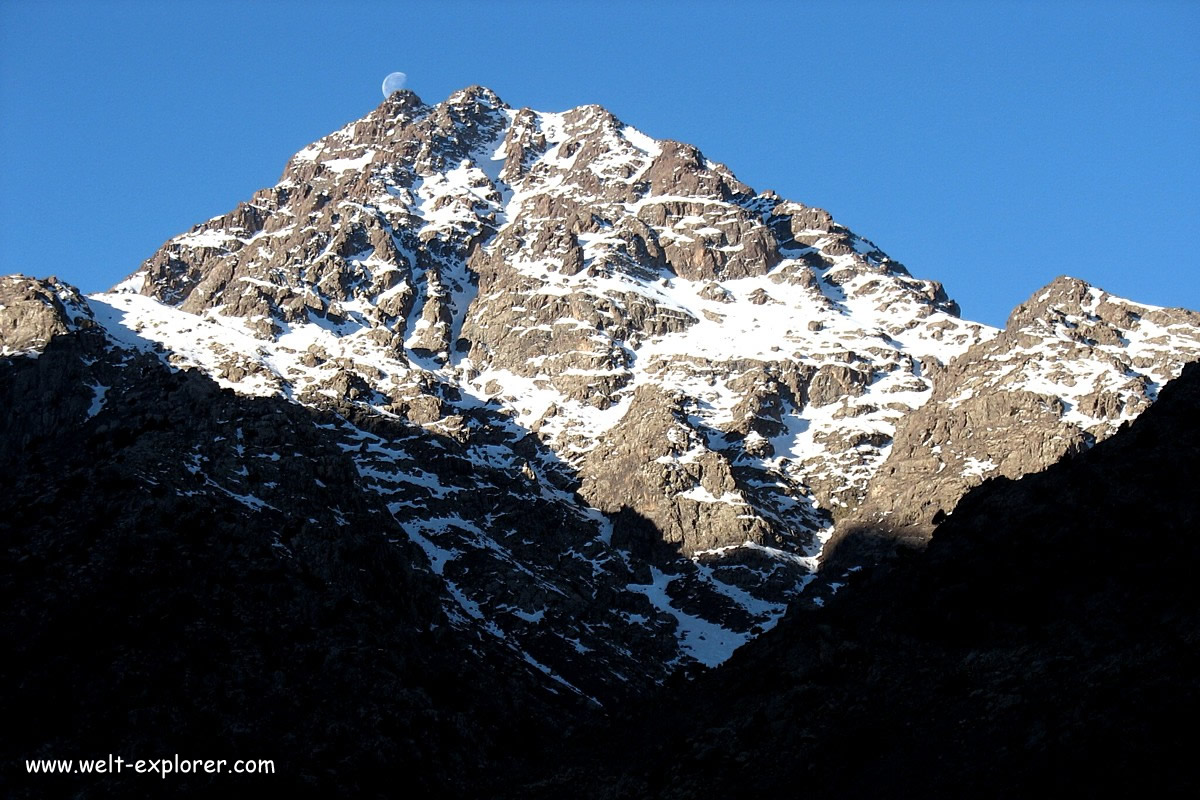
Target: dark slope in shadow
(1048, 640)
(192, 572)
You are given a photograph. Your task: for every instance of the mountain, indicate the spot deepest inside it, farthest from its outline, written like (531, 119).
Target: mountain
(602, 409)
(537, 329)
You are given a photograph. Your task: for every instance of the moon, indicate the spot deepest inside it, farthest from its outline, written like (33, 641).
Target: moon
(393, 83)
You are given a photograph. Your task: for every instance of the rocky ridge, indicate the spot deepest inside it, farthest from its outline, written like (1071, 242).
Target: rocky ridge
(1072, 365)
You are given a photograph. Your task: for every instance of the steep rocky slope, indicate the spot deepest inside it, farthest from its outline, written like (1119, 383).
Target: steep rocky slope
(1048, 640)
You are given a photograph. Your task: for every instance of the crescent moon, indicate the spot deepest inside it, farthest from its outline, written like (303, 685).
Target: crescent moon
(393, 83)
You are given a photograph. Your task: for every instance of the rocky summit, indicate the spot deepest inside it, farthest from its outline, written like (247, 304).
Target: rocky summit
(603, 403)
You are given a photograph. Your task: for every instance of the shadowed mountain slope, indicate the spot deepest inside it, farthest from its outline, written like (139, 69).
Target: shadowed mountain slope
(152, 604)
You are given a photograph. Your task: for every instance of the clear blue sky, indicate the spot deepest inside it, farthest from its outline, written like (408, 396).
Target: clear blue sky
(991, 146)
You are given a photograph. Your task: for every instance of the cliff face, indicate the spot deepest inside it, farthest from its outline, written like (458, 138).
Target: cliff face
(34, 312)
(553, 264)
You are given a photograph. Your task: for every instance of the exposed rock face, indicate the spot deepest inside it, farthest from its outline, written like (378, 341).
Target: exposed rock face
(563, 249)
(1072, 365)
(32, 312)
(610, 396)
(654, 463)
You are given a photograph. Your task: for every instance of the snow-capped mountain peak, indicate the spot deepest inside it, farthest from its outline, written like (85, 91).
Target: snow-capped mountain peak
(615, 395)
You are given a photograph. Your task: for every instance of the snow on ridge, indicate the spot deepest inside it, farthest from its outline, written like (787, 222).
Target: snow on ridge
(641, 141)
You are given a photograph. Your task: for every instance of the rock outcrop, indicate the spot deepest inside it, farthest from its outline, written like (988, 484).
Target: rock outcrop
(32, 312)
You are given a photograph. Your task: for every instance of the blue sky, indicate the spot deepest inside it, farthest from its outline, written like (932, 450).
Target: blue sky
(991, 146)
